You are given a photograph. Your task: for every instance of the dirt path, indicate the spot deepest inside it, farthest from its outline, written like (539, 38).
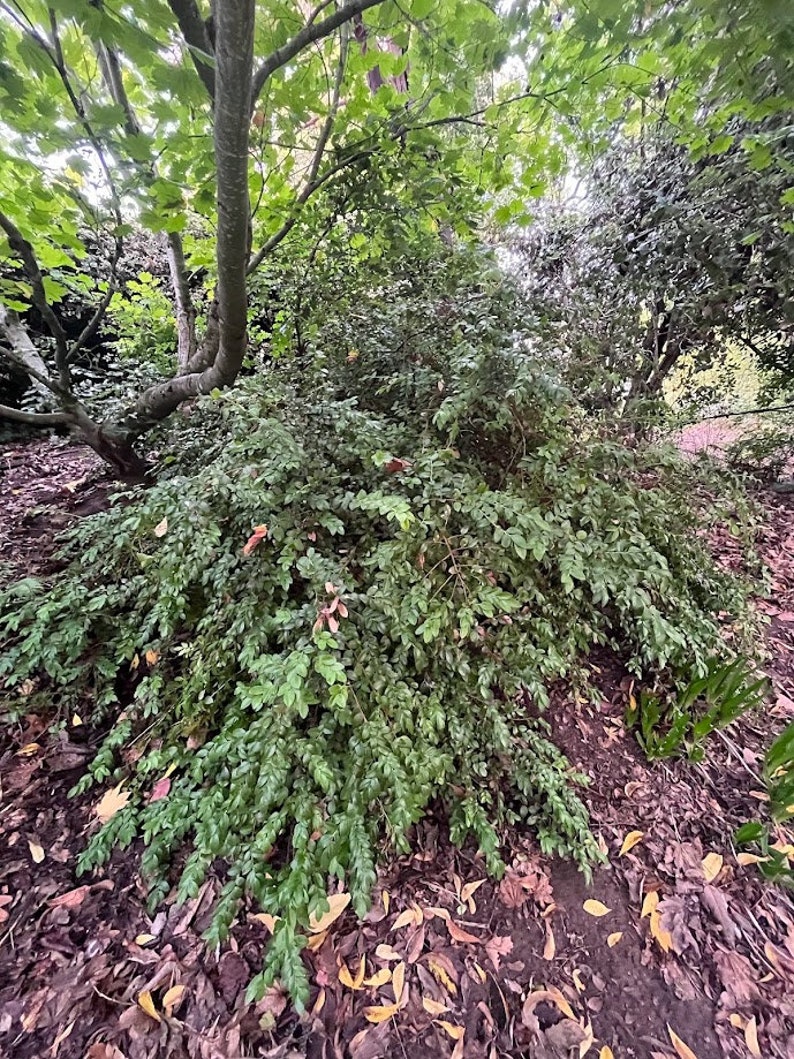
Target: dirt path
(515, 969)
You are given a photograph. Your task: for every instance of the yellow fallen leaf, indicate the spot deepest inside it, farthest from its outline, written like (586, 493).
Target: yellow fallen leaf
(173, 998)
(36, 852)
(480, 972)
(152, 657)
(712, 866)
(28, 749)
(161, 528)
(737, 1021)
(558, 998)
(112, 802)
(440, 974)
(145, 1003)
(469, 889)
(386, 899)
(751, 1038)
(347, 979)
(682, 1050)
(550, 948)
(386, 952)
(630, 841)
(649, 903)
(398, 981)
(596, 908)
(433, 1007)
(404, 919)
(380, 1013)
(144, 939)
(267, 921)
(749, 858)
(337, 903)
(606, 1053)
(662, 936)
(577, 981)
(378, 979)
(316, 941)
(319, 1003)
(77, 720)
(455, 1032)
(613, 939)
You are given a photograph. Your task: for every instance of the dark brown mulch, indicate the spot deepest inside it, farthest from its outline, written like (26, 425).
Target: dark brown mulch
(691, 942)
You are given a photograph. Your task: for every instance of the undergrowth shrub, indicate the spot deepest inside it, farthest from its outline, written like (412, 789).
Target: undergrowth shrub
(336, 606)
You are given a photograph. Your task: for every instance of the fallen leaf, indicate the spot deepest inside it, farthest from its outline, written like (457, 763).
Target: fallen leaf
(316, 941)
(662, 936)
(751, 1038)
(463, 936)
(398, 981)
(144, 939)
(469, 890)
(152, 657)
(497, 947)
(630, 841)
(577, 980)
(29, 749)
(683, 1050)
(550, 948)
(386, 899)
(36, 852)
(479, 972)
(404, 918)
(442, 970)
(77, 720)
(606, 1053)
(649, 903)
(455, 1032)
(267, 921)
(378, 979)
(161, 528)
(558, 998)
(259, 533)
(386, 952)
(380, 1013)
(319, 1003)
(737, 1021)
(145, 1001)
(337, 903)
(173, 998)
(111, 803)
(71, 899)
(712, 866)
(596, 908)
(433, 1007)
(613, 939)
(347, 979)
(160, 789)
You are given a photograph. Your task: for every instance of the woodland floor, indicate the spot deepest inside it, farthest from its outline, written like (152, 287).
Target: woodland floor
(75, 954)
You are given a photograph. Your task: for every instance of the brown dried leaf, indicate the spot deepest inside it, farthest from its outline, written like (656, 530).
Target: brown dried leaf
(550, 947)
(498, 947)
(71, 899)
(458, 934)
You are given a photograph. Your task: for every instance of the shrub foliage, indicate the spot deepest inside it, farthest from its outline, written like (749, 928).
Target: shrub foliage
(347, 600)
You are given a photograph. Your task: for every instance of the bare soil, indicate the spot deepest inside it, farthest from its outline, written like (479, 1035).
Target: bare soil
(692, 954)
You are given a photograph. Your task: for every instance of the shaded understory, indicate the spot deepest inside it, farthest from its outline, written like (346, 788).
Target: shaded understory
(75, 954)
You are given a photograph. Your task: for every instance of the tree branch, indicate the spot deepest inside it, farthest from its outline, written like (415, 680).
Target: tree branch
(194, 31)
(35, 419)
(22, 248)
(185, 310)
(310, 33)
(311, 184)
